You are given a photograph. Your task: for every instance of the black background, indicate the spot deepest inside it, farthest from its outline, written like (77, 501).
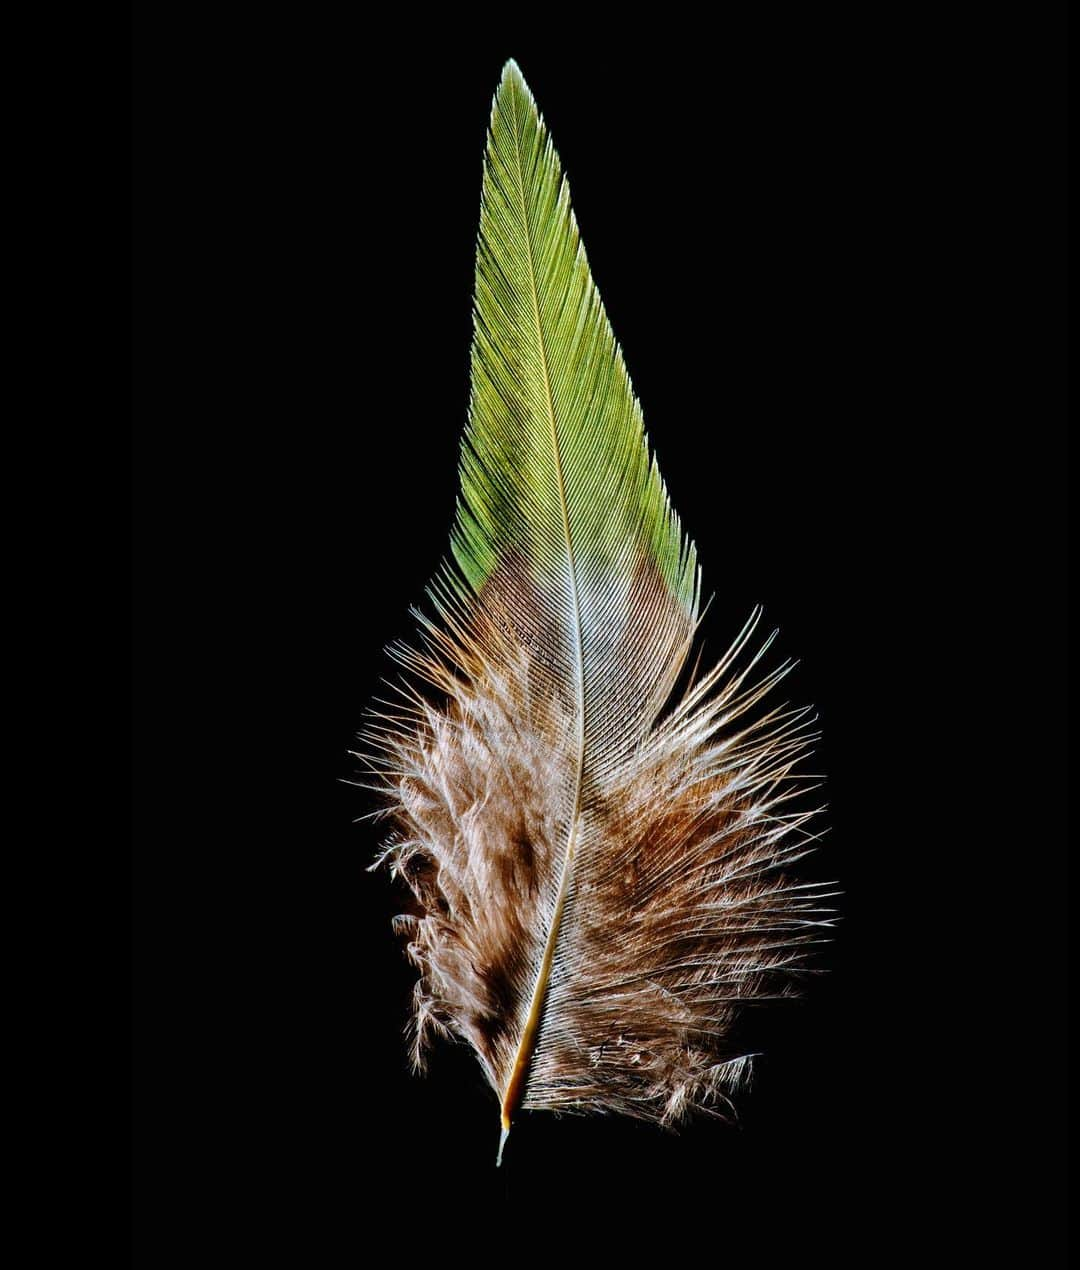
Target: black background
(832, 248)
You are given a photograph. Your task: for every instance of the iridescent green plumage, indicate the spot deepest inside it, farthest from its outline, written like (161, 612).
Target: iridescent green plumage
(554, 463)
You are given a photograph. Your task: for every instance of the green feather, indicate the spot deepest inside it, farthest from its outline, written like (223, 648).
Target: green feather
(589, 872)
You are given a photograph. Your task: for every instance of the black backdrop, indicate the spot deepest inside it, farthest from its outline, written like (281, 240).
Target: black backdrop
(833, 252)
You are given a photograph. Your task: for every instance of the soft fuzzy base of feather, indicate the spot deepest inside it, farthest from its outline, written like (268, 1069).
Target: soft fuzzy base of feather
(679, 912)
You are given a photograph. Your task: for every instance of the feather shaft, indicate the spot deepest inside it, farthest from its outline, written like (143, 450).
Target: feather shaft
(519, 1073)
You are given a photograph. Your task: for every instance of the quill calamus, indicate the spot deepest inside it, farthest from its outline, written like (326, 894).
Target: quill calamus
(596, 869)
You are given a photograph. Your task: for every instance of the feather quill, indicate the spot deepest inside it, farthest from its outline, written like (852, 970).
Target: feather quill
(597, 870)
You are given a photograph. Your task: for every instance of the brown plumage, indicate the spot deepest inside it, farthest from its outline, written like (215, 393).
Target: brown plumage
(596, 867)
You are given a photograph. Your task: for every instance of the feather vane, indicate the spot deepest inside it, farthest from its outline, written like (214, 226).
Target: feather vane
(597, 872)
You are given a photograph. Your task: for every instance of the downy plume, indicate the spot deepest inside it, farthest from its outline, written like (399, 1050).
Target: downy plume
(596, 860)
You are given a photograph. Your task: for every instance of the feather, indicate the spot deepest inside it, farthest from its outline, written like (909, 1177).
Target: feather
(596, 867)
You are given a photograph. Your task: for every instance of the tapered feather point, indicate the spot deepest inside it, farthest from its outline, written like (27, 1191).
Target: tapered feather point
(595, 854)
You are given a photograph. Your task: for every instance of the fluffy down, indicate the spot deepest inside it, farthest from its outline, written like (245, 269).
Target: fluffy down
(678, 913)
